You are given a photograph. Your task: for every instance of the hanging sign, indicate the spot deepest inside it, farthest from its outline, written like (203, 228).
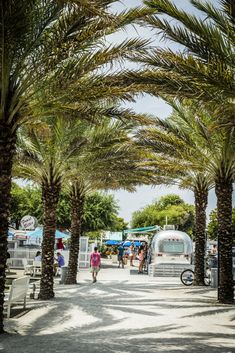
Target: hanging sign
(28, 222)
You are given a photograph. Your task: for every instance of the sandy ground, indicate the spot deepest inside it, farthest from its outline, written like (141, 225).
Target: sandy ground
(123, 313)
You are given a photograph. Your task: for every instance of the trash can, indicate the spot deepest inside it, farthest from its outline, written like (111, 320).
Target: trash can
(64, 271)
(114, 259)
(214, 277)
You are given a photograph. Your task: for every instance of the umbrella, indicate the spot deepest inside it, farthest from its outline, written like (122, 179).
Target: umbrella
(112, 242)
(129, 243)
(39, 231)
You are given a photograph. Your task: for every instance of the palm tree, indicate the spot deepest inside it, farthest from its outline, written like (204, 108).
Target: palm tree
(203, 70)
(44, 156)
(174, 154)
(210, 150)
(77, 199)
(48, 46)
(204, 67)
(108, 161)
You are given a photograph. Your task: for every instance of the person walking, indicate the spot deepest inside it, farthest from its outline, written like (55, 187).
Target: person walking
(95, 263)
(120, 255)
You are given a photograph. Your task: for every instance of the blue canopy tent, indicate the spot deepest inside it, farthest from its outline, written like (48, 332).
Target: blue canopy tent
(37, 233)
(112, 242)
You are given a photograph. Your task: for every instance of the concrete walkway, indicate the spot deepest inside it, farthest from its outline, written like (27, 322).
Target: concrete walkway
(123, 313)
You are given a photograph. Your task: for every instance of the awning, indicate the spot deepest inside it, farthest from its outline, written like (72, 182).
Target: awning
(142, 230)
(39, 232)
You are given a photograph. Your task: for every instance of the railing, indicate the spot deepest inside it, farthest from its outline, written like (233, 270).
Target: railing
(17, 255)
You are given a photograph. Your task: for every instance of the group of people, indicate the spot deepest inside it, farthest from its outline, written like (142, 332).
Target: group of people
(140, 253)
(58, 261)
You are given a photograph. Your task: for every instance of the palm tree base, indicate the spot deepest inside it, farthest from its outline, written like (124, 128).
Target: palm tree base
(46, 296)
(224, 301)
(71, 281)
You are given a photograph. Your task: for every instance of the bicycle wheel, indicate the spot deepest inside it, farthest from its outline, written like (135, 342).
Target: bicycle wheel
(187, 277)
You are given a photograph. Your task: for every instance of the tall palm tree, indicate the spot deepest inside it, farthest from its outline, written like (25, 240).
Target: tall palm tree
(175, 156)
(108, 161)
(211, 151)
(203, 70)
(44, 156)
(49, 46)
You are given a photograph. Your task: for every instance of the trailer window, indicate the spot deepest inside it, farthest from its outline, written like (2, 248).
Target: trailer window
(172, 247)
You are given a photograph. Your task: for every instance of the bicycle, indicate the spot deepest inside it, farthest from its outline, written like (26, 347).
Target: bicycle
(187, 277)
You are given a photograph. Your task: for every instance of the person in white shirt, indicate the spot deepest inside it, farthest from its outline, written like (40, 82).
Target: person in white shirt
(38, 256)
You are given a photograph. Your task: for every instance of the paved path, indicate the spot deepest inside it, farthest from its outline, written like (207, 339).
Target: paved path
(124, 313)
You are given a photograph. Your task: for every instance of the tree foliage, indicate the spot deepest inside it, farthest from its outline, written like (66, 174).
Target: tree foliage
(100, 210)
(212, 229)
(25, 201)
(173, 207)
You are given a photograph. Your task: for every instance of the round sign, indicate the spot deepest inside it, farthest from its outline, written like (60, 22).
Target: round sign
(28, 222)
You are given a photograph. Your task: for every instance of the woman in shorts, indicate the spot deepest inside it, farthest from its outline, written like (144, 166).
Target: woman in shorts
(141, 259)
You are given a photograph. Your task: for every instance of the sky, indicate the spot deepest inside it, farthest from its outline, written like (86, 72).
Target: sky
(144, 195)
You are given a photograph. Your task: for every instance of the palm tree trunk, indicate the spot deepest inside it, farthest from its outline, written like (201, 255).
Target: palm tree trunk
(201, 199)
(224, 189)
(50, 196)
(77, 204)
(7, 150)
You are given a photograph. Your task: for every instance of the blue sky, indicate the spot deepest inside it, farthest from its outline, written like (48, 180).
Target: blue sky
(130, 202)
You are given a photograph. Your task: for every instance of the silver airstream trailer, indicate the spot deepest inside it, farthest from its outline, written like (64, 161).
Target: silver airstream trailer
(171, 246)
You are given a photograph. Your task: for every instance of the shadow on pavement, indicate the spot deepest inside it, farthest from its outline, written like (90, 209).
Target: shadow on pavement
(106, 308)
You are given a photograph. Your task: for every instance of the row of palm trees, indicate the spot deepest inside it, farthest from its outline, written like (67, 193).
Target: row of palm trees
(54, 60)
(60, 97)
(203, 71)
(205, 157)
(81, 158)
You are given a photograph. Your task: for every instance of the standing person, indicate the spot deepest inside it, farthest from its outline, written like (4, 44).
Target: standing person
(131, 254)
(145, 263)
(60, 259)
(95, 262)
(38, 256)
(141, 259)
(59, 262)
(214, 250)
(60, 245)
(120, 255)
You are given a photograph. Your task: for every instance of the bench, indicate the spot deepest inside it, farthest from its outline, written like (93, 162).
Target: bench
(17, 293)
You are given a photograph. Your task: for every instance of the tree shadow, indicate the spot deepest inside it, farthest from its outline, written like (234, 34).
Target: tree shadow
(105, 308)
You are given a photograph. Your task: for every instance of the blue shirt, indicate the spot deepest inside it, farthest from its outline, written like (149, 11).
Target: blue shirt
(60, 260)
(120, 250)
